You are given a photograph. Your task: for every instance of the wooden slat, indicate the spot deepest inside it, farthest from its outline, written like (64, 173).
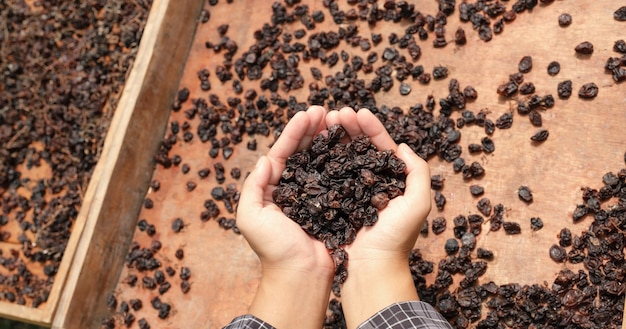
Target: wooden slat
(115, 194)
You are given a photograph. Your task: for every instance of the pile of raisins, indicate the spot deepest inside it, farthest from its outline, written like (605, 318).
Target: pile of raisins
(333, 189)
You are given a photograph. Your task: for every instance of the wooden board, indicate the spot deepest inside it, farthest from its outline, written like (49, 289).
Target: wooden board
(586, 141)
(116, 190)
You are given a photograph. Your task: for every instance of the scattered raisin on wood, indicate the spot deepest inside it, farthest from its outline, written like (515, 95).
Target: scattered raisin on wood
(525, 194)
(585, 48)
(554, 68)
(588, 91)
(525, 64)
(476, 190)
(558, 253)
(564, 89)
(565, 19)
(511, 228)
(540, 136)
(438, 225)
(536, 223)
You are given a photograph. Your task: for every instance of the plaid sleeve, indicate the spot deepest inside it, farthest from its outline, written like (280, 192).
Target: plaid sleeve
(248, 321)
(404, 315)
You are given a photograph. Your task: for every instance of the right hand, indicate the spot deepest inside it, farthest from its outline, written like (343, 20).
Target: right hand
(378, 268)
(399, 224)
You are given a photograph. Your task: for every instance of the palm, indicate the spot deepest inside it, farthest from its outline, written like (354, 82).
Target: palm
(277, 240)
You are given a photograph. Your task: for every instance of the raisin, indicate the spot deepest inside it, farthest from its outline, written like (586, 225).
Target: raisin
(554, 68)
(525, 194)
(564, 89)
(525, 64)
(476, 190)
(585, 48)
(565, 19)
(588, 90)
(540, 136)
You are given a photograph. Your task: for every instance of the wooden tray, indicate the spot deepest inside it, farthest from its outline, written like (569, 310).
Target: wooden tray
(103, 229)
(584, 143)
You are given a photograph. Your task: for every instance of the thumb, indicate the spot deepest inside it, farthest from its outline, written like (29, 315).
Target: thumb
(251, 199)
(417, 192)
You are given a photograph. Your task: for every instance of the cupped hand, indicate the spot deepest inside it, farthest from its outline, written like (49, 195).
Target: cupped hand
(399, 224)
(279, 242)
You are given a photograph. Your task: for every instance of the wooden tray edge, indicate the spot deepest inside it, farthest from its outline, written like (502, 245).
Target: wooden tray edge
(75, 299)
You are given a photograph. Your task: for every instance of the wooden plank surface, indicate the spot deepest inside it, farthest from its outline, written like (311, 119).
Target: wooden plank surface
(586, 141)
(114, 196)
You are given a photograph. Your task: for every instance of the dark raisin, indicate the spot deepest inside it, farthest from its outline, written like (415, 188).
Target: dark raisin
(487, 145)
(440, 72)
(452, 246)
(525, 194)
(476, 190)
(511, 228)
(405, 89)
(439, 225)
(143, 324)
(620, 46)
(484, 254)
(505, 121)
(436, 182)
(540, 136)
(440, 200)
(565, 237)
(178, 225)
(564, 89)
(558, 253)
(185, 286)
(484, 206)
(459, 37)
(204, 173)
(536, 223)
(527, 88)
(588, 90)
(525, 64)
(185, 273)
(565, 19)
(474, 148)
(585, 48)
(148, 282)
(179, 253)
(535, 118)
(554, 68)
(112, 302)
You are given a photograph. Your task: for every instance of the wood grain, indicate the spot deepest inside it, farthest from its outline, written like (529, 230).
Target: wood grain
(586, 140)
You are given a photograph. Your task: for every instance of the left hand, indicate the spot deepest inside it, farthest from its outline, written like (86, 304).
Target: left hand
(297, 268)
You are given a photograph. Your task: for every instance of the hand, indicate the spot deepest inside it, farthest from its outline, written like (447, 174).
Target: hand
(378, 271)
(297, 268)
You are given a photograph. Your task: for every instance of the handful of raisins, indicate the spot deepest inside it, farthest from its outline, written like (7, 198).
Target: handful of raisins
(333, 189)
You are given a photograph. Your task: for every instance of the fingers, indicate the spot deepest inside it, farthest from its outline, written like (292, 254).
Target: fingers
(417, 182)
(297, 135)
(316, 116)
(252, 193)
(348, 119)
(372, 127)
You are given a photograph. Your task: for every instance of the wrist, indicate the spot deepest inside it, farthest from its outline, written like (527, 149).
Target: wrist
(373, 284)
(287, 295)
